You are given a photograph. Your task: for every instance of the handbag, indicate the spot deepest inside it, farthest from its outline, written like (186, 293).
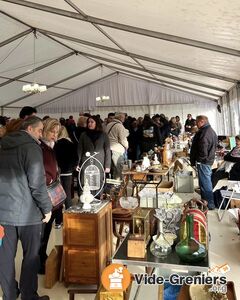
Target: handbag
(56, 193)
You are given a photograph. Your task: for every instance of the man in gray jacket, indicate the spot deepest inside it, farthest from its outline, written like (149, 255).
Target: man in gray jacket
(24, 205)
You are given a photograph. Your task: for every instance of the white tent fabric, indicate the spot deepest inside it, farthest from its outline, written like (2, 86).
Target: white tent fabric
(188, 47)
(123, 91)
(147, 96)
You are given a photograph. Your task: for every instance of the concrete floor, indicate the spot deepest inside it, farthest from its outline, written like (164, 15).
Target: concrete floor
(224, 248)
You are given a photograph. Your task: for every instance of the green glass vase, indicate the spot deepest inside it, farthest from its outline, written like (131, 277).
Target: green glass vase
(189, 249)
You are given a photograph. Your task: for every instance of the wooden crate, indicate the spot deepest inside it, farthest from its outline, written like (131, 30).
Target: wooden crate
(87, 240)
(53, 266)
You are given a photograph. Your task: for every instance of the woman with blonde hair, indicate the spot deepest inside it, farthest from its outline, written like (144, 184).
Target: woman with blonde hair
(67, 158)
(49, 137)
(81, 127)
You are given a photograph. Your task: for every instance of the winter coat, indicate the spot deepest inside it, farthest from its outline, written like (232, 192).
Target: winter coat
(66, 155)
(50, 163)
(150, 137)
(117, 134)
(204, 146)
(23, 195)
(101, 146)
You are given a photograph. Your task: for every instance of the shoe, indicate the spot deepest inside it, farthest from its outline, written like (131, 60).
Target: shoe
(57, 226)
(211, 207)
(41, 270)
(44, 298)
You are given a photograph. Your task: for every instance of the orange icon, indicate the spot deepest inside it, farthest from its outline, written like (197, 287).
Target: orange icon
(116, 277)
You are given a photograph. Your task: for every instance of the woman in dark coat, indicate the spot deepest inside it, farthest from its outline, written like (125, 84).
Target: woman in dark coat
(150, 135)
(67, 159)
(94, 140)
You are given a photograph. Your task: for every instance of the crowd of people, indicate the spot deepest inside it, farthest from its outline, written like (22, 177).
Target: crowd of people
(34, 152)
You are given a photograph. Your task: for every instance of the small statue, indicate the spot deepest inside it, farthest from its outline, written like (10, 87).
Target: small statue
(156, 161)
(86, 198)
(145, 163)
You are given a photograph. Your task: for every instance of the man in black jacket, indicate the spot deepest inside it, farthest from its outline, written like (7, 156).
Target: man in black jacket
(24, 205)
(202, 154)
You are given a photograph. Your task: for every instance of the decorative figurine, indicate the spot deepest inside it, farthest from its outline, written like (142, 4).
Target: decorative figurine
(145, 163)
(86, 198)
(156, 161)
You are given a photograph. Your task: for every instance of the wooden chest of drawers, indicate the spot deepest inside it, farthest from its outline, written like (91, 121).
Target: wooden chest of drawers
(87, 245)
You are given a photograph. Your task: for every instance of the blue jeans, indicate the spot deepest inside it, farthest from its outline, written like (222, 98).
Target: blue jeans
(205, 183)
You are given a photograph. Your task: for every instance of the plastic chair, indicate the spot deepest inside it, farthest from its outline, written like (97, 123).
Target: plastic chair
(232, 192)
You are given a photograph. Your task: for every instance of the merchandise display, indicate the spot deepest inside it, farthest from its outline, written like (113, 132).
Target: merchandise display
(190, 249)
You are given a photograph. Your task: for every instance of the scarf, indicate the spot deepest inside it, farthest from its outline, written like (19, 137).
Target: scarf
(93, 134)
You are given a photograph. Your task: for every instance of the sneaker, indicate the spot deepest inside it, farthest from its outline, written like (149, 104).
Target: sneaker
(58, 226)
(43, 298)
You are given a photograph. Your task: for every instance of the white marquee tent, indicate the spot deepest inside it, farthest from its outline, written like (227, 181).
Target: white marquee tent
(170, 57)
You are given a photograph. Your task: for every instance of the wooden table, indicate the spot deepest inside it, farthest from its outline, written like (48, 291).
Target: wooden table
(141, 177)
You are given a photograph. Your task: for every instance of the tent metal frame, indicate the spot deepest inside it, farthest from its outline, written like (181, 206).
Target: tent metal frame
(79, 88)
(75, 7)
(46, 33)
(27, 81)
(38, 68)
(128, 28)
(135, 75)
(96, 22)
(152, 71)
(55, 84)
(15, 37)
(145, 58)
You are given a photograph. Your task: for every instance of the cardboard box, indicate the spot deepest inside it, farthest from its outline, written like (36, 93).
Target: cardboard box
(136, 246)
(150, 202)
(53, 265)
(184, 182)
(165, 186)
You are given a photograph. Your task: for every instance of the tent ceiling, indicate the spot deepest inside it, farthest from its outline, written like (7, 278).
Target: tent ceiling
(216, 22)
(187, 45)
(10, 28)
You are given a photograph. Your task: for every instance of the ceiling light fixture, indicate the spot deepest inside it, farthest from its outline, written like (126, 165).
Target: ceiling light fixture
(34, 88)
(102, 98)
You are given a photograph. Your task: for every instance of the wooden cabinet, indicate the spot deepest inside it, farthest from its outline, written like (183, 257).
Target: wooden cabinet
(87, 245)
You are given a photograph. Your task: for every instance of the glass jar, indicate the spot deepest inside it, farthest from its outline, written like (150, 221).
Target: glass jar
(189, 249)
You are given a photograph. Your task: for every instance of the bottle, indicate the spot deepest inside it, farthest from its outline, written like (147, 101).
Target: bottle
(189, 249)
(167, 154)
